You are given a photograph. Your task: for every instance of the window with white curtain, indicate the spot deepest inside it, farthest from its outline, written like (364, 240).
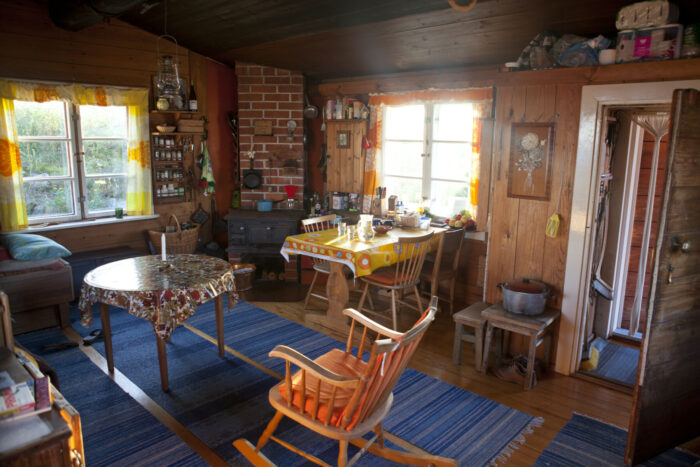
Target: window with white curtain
(74, 159)
(427, 155)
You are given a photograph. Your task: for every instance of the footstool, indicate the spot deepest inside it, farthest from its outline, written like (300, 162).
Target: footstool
(470, 316)
(537, 327)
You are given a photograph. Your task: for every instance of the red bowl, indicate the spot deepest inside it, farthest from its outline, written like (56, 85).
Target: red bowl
(381, 229)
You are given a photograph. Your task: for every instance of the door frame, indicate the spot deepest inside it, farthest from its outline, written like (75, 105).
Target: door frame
(585, 193)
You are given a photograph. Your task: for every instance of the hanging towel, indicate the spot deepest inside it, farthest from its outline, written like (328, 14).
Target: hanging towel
(207, 179)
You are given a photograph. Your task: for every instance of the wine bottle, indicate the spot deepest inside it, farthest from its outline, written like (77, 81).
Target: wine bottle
(193, 98)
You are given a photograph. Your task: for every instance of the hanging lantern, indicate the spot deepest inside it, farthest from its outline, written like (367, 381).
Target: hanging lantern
(168, 82)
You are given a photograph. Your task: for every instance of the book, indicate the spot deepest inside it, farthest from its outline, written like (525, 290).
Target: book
(18, 400)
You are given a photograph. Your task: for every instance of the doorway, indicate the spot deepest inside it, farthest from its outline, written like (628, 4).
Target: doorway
(597, 102)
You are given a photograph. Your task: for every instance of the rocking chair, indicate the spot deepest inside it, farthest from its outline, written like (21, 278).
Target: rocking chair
(342, 397)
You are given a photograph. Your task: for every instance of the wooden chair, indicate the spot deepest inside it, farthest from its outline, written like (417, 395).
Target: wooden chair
(314, 224)
(444, 266)
(402, 276)
(341, 396)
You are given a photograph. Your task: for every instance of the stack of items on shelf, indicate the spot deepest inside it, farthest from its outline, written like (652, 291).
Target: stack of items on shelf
(25, 398)
(346, 109)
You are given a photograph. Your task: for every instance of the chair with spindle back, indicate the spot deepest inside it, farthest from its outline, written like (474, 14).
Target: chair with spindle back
(402, 276)
(314, 224)
(341, 396)
(444, 266)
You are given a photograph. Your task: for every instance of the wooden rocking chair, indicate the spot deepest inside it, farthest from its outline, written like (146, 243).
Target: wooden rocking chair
(342, 397)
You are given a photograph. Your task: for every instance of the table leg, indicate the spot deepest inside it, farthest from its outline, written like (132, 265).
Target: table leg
(529, 377)
(457, 346)
(219, 305)
(162, 362)
(338, 296)
(436, 267)
(107, 332)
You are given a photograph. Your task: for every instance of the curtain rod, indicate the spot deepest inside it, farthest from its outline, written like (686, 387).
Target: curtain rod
(53, 83)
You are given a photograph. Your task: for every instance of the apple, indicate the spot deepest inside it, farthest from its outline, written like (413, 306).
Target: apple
(452, 222)
(458, 217)
(459, 224)
(470, 224)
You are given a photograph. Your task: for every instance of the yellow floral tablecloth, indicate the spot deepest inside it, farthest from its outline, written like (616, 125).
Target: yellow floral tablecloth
(361, 257)
(164, 295)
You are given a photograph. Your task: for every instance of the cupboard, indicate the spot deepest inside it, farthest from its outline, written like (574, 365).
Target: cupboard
(345, 155)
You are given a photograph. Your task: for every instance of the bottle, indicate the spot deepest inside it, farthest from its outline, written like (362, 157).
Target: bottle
(193, 98)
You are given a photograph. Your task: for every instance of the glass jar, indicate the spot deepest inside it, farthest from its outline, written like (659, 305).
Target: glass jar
(365, 230)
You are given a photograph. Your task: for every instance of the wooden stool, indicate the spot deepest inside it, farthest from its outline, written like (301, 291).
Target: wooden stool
(470, 316)
(536, 327)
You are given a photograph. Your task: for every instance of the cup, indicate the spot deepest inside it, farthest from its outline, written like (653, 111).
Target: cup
(118, 213)
(342, 228)
(352, 231)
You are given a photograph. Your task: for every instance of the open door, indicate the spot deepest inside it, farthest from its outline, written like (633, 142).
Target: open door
(666, 404)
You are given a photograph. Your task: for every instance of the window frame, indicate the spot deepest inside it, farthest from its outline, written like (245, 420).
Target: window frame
(76, 167)
(426, 177)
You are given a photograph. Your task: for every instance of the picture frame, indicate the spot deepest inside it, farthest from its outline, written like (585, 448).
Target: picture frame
(530, 163)
(343, 139)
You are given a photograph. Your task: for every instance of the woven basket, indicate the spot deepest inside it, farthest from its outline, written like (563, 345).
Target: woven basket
(180, 241)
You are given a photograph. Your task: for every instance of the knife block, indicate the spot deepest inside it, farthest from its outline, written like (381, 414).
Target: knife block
(379, 207)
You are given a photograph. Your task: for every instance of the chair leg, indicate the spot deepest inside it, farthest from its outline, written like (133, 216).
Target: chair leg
(362, 299)
(452, 294)
(271, 427)
(393, 308)
(419, 302)
(380, 434)
(478, 346)
(370, 300)
(311, 287)
(487, 348)
(343, 453)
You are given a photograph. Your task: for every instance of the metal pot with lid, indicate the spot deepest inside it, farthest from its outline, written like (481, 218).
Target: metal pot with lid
(525, 296)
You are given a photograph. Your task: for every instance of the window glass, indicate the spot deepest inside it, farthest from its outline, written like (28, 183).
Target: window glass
(40, 119)
(403, 158)
(44, 158)
(106, 193)
(105, 157)
(48, 198)
(452, 122)
(451, 161)
(404, 123)
(407, 189)
(103, 122)
(448, 198)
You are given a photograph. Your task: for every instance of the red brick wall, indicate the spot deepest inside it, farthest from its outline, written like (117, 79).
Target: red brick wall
(266, 93)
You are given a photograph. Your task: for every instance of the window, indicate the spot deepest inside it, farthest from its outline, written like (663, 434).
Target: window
(59, 185)
(427, 159)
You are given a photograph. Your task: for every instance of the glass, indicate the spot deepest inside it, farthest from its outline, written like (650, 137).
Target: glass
(451, 161)
(352, 232)
(402, 158)
(48, 198)
(448, 198)
(106, 193)
(118, 213)
(104, 157)
(453, 122)
(342, 228)
(44, 158)
(365, 229)
(45, 119)
(406, 122)
(103, 122)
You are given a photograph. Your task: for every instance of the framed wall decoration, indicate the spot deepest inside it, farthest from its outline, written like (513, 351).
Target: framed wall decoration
(343, 139)
(530, 165)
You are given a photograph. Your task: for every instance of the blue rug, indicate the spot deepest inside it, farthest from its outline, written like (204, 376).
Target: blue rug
(222, 399)
(588, 442)
(116, 429)
(618, 362)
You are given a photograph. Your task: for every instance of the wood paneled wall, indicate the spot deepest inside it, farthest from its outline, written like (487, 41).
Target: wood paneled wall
(108, 53)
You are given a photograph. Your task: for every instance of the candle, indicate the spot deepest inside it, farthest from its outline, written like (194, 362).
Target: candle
(162, 247)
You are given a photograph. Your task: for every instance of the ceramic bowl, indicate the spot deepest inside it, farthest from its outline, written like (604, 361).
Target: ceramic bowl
(381, 229)
(165, 128)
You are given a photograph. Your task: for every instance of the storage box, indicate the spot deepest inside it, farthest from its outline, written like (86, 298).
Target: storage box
(661, 43)
(186, 125)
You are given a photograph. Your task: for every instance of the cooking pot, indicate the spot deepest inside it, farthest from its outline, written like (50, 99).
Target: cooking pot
(525, 296)
(265, 205)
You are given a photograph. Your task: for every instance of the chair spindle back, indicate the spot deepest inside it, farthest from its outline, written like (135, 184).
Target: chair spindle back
(412, 251)
(315, 224)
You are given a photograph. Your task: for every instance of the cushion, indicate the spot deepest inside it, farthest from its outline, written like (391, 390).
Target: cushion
(30, 247)
(338, 362)
(386, 276)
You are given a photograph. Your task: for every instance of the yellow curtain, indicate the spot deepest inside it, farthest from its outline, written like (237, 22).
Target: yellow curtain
(138, 186)
(13, 210)
(481, 99)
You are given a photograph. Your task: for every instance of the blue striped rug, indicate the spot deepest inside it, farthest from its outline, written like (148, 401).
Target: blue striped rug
(587, 442)
(222, 399)
(618, 362)
(117, 431)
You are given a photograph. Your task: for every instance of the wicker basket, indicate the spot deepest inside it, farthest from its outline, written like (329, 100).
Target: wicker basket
(180, 241)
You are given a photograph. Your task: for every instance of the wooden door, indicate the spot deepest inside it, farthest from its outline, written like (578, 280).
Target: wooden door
(345, 155)
(666, 403)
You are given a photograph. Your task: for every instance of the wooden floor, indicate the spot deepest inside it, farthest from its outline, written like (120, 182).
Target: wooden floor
(555, 397)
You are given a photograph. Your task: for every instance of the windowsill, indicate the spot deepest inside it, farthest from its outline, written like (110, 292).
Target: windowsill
(90, 223)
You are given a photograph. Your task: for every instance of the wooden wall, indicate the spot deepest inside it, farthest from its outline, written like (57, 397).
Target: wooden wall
(108, 53)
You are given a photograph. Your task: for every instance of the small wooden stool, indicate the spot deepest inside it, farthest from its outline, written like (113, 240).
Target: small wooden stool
(536, 327)
(470, 316)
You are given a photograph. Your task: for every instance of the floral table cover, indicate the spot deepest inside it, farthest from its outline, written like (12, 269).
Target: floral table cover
(361, 257)
(165, 293)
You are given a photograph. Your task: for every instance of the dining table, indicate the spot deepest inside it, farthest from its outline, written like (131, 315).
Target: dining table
(360, 257)
(164, 292)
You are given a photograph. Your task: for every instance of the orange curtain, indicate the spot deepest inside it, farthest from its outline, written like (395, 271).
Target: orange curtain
(373, 156)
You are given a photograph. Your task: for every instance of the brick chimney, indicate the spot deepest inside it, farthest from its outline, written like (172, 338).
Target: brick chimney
(271, 96)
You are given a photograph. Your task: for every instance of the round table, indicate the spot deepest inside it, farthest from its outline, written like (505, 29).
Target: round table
(165, 293)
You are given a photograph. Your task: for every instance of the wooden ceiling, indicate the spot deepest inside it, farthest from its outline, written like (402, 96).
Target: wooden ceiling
(344, 38)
